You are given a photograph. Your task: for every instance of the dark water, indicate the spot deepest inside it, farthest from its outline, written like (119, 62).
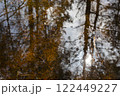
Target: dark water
(59, 39)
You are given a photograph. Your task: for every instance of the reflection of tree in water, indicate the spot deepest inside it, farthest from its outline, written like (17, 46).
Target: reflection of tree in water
(33, 44)
(98, 45)
(36, 40)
